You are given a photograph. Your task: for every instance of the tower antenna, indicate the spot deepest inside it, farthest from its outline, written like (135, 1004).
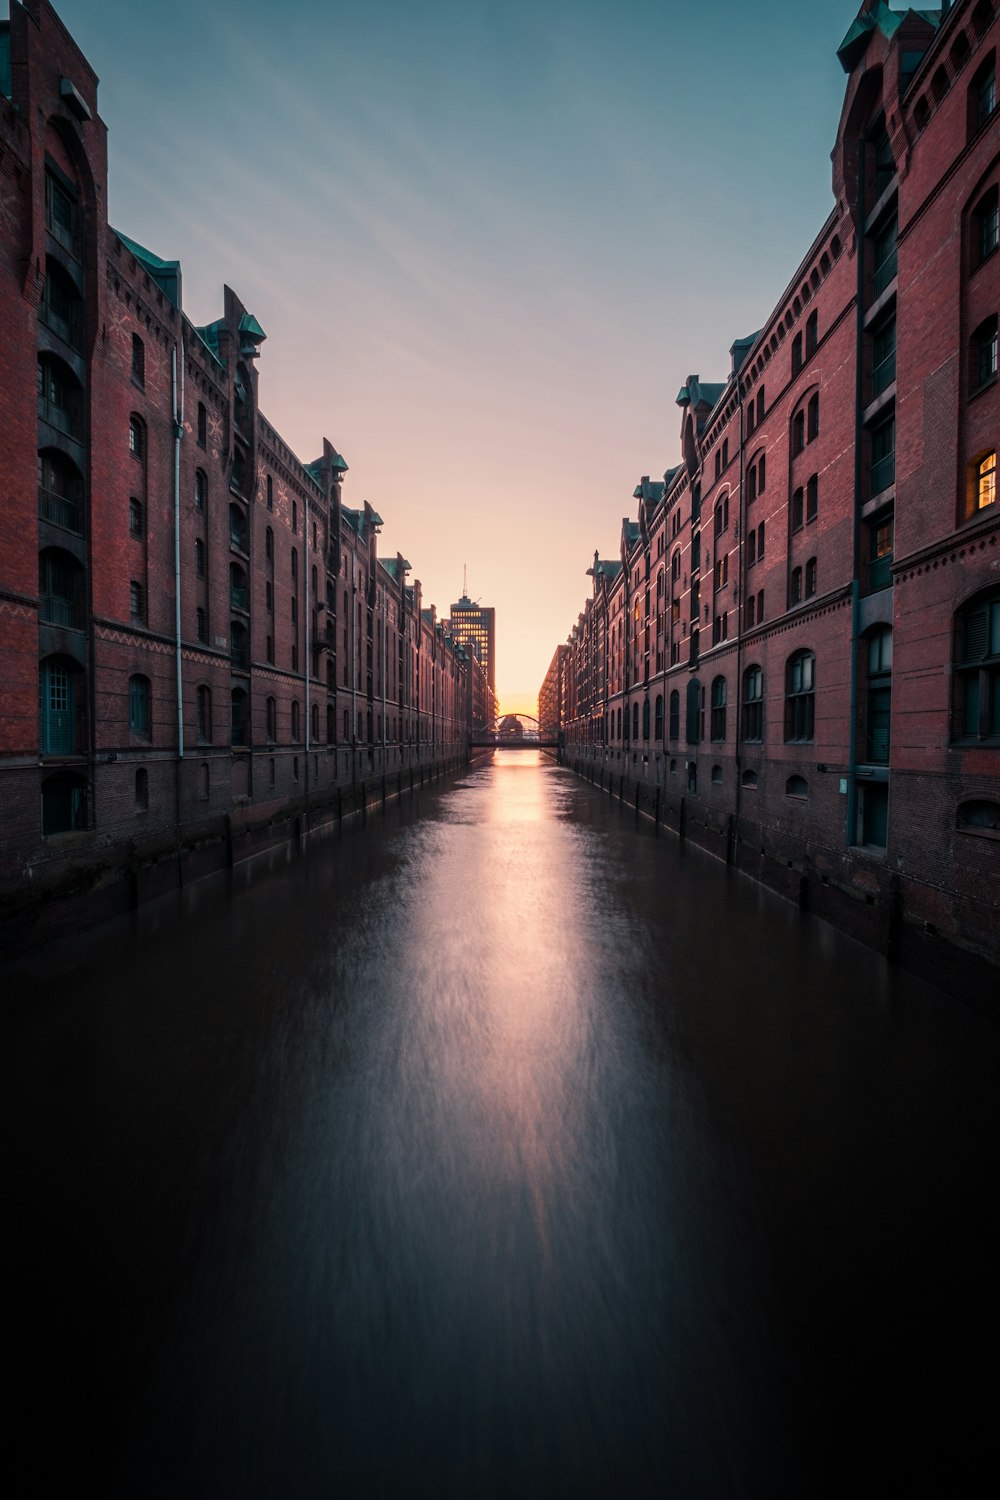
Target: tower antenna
(465, 580)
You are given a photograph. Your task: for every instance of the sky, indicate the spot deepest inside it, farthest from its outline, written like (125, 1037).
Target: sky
(488, 243)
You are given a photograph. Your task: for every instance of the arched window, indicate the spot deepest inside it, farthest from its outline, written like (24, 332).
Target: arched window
(749, 781)
(716, 775)
(798, 432)
(800, 697)
(314, 718)
(658, 718)
(718, 724)
(753, 704)
(977, 668)
(722, 515)
(674, 726)
(138, 360)
(295, 721)
(694, 729)
(983, 94)
(136, 437)
(204, 713)
(60, 491)
(878, 697)
(675, 565)
(796, 786)
(238, 716)
(139, 705)
(813, 418)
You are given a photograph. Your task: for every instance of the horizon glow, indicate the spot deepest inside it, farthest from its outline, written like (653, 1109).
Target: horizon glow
(488, 244)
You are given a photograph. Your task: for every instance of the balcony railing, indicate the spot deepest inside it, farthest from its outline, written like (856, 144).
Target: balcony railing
(65, 418)
(883, 374)
(880, 572)
(884, 273)
(60, 511)
(56, 609)
(881, 474)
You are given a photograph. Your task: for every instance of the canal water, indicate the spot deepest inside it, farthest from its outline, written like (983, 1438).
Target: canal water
(501, 1148)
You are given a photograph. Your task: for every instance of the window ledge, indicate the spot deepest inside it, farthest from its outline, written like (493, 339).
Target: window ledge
(987, 385)
(978, 833)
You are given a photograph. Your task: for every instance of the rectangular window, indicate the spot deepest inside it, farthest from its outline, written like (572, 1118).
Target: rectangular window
(882, 470)
(812, 333)
(61, 215)
(798, 511)
(137, 601)
(796, 354)
(884, 255)
(135, 517)
(812, 498)
(138, 360)
(201, 625)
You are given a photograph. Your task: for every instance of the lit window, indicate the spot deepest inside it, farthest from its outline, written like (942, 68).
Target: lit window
(984, 491)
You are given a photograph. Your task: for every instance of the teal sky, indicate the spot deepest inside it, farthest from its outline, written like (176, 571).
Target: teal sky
(488, 242)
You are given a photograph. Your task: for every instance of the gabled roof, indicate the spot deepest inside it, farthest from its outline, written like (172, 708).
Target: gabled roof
(166, 273)
(699, 393)
(879, 18)
(649, 490)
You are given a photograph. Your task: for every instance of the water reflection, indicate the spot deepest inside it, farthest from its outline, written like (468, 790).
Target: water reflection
(499, 1150)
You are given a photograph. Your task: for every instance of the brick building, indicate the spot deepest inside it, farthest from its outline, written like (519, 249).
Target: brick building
(796, 657)
(194, 622)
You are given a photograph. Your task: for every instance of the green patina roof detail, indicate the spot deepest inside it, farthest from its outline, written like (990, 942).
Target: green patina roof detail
(852, 48)
(683, 397)
(209, 336)
(652, 489)
(250, 326)
(339, 462)
(166, 273)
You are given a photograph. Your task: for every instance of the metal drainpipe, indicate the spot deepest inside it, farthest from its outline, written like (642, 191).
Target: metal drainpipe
(382, 668)
(178, 406)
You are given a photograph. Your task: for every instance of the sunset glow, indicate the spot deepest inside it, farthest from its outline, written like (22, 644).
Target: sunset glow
(487, 245)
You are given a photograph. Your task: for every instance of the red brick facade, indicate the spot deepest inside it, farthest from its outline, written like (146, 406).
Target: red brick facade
(795, 659)
(194, 623)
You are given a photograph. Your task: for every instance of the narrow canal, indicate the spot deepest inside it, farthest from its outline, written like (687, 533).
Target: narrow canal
(499, 1149)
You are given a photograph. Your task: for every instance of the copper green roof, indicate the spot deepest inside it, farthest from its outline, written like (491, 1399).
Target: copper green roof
(166, 273)
(250, 326)
(698, 393)
(880, 18)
